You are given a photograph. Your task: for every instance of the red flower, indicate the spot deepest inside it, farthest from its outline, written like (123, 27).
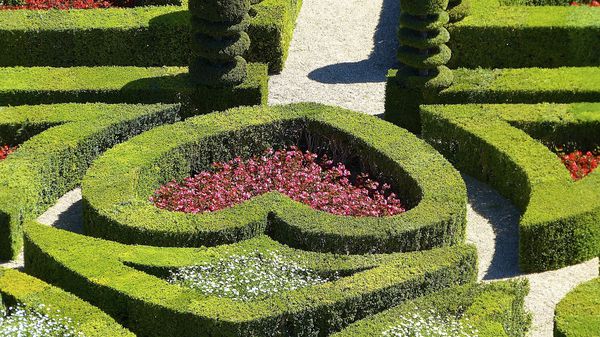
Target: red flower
(323, 185)
(6, 150)
(580, 164)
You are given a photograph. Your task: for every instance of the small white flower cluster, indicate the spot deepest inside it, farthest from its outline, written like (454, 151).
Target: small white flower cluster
(431, 324)
(19, 321)
(246, 277)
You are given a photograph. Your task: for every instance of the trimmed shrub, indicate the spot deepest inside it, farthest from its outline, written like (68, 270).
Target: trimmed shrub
(578, 313)
(125, 281)
(117, 188)
(31, 293)
(499, 35)
(128, 85)
(143, 36)
(219, 40)
(495, 143)
(527, 85)
(491, 309)
(60, 142)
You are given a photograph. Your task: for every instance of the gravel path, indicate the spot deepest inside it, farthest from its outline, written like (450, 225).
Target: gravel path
(493, 227)
(340, 54)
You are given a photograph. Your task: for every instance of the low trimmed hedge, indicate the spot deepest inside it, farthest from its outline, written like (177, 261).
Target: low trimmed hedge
(121, 280)
(60, 143)
(497, 35)
(578, 313)
(117, 188)
(493, 309)
(127, 85)
(142, 36)
(561, 221)
(523, 85)
(20, 288)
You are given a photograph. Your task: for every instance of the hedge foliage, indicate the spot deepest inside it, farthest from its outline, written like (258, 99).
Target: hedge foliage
(30, 292)
(493, 309)
(124, 282)
(59, 143)
(117, 188)
(43, 85)
(497, 144)
(142, 36)
(522, 85)
(578, 313)
(508, 34)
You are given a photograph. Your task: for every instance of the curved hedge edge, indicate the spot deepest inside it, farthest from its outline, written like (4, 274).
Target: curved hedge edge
(560, 224)
(43, 85)
(17, 287)
(578, 313)
(494, 309)
(99, 271)
(116, 205)
(53, 162)
(144, 37)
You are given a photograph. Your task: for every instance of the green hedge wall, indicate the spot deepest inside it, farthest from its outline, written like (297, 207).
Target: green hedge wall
(498, 35)
(64, 140)
(117, 188)
(17, 287)
(578, 313)
(493, 309)
(42, 85)
(522, 85)
(109, 275)
(561, 221)
(143, 36)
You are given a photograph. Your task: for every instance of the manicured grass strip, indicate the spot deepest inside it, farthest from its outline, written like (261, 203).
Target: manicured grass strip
(42, 85)
(111, 276)
(117, 188)
(60, 142)
(491, 309)
(17, 287)
(523, 85)
(514, 36)
(578, 313)
(561, 221)
(142, 36)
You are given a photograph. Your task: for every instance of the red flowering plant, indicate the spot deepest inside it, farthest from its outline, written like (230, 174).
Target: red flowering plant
(319, 183)
(593, 3)
(580, 163)
(6, 150)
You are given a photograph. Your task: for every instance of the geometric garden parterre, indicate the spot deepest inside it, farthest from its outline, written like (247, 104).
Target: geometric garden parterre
(103, 99)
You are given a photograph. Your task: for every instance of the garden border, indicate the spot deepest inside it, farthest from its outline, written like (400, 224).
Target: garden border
(117, 187)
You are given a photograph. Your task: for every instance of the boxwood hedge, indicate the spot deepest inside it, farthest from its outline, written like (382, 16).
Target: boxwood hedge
(117, 188)
(43, 85)
(492, 309)
(509, 34)
(125, 282)
(502, 145)
(578, 313)
(30, 292)
(141, 36)
(59, 143)
(523, 85)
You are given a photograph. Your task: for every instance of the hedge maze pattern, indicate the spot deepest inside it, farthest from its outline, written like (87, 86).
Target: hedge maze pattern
(120, 120)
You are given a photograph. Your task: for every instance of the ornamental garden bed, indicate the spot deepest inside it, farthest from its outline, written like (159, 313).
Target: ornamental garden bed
(503, 144)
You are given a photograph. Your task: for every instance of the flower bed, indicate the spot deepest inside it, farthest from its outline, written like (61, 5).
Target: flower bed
(247, 276)
(580, 164)
(321, 184)
(21, 321)
(62, 4)
(6, 150)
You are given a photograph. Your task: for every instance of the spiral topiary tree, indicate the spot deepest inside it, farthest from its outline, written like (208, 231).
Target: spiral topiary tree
(423, 50)
(219, 40)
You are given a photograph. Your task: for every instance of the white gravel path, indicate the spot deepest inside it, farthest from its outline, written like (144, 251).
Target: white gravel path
(340, 54)
(493, 227)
